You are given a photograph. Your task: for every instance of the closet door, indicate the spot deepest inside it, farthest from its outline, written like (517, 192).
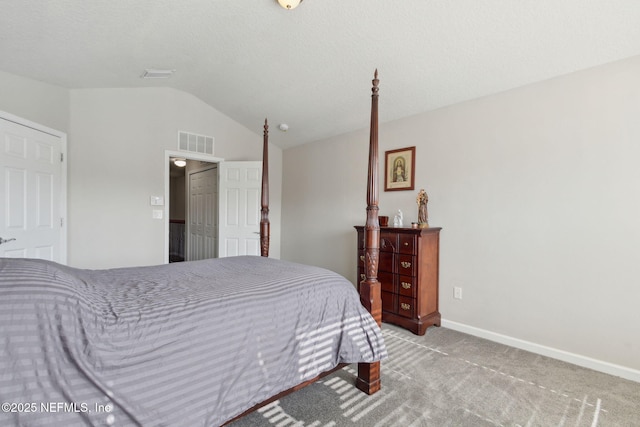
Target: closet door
(31, 192)
(203, 210)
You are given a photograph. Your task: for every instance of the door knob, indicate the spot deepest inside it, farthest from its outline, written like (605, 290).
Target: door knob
(5, 240)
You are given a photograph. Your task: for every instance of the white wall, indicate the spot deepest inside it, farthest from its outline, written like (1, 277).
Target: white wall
(116, 146)
(38, 102)
(538, 193)
(117, 161)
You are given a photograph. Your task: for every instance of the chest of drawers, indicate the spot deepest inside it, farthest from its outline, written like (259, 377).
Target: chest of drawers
(408, 275)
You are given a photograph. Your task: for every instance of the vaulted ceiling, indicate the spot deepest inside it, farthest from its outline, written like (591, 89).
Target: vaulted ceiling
(311, 67)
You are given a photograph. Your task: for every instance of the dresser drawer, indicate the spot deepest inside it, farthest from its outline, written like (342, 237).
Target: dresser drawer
(406, 306)
(388, 242)
(360, 240)
(407, 286)
(406, 265)
(407, 244)
(389, 302)
(386, 281)
(385, 262)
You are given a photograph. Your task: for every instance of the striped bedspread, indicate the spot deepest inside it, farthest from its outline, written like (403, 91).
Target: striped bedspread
(184, 344)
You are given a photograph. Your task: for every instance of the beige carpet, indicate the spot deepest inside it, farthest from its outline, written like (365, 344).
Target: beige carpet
(447, 378)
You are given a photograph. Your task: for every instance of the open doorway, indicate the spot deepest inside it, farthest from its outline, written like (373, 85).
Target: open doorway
(191, 208)
(220, 220)
(177, 211)
(193, 211)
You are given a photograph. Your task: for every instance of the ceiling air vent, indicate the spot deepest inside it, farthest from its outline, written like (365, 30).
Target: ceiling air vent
(157, 74)
(195, 143)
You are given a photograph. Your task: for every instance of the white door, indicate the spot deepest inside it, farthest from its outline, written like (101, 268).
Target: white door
(202, 213)
(31, 192)
(240, 184)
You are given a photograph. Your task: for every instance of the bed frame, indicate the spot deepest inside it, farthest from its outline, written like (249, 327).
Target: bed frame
(370, 292)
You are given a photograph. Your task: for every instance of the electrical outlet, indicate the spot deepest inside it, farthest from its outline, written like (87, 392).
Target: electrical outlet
(457, 292)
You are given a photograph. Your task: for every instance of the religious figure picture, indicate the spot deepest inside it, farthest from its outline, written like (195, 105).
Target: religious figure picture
(399, 169)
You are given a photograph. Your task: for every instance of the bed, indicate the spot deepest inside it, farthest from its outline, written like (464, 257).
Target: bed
(184, 344)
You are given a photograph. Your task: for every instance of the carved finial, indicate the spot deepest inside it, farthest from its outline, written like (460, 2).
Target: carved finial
(266, 127)
(375, 82)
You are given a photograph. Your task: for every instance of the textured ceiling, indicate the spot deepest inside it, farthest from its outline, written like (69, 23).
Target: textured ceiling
(312, 67)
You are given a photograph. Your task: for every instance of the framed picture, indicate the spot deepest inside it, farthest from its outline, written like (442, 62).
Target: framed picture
(399, 166)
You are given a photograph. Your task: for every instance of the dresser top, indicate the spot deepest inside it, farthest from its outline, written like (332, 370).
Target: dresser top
(408, 230)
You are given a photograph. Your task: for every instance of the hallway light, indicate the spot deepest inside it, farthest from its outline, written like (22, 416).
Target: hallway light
(180, 162)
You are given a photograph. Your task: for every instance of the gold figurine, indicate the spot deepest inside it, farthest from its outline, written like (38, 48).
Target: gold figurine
(423, 215)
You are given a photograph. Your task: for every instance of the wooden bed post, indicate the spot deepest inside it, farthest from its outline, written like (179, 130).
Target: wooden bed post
(370, 293)
(264, 219)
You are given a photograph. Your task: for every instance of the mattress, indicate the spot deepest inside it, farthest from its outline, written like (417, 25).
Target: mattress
(182, 344)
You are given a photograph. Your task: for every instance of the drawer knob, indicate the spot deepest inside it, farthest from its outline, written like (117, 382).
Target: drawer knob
(405, 306)
(363, 276)
(406, 285)
(405, 264)
(406, 243)
(362, 258)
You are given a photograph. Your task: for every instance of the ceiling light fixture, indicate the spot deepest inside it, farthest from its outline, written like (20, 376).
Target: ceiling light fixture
(283, 127)
(289, 4)
(180, 162)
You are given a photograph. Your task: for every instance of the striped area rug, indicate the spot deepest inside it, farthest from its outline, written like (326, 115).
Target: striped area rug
(447, 378)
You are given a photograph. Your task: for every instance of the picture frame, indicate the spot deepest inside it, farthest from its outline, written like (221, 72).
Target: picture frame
(399, 166)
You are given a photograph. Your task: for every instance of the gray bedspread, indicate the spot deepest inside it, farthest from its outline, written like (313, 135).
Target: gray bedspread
(185, 344)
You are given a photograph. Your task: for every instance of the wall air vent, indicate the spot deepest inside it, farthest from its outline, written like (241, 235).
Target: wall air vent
(157, 74)
(195, 143)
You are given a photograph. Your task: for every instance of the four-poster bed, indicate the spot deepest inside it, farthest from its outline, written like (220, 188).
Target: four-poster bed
(194, 343)
(370, 288)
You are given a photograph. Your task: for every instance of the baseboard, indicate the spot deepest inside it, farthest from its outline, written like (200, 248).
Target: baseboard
(576, 359)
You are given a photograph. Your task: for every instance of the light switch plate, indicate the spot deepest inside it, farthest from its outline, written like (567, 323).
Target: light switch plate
(157, 214)
(156, 200)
